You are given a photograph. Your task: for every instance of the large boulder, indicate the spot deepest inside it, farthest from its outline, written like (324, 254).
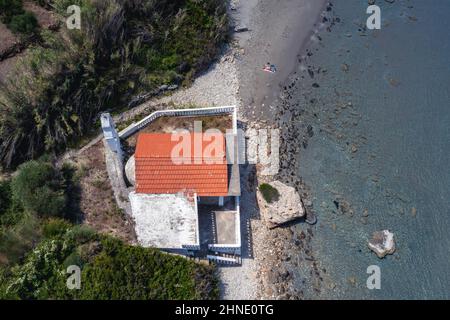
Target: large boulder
(382, 243)
(130, 171)
(288, 207)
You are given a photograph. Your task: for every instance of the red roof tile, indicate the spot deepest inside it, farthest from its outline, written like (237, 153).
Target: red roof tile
(161, 170)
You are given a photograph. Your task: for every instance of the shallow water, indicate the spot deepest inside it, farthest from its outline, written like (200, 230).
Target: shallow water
(381, 149)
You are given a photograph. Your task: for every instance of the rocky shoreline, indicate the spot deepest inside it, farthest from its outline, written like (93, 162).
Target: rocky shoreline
(269, 255)
(280, 251)
(294, 138)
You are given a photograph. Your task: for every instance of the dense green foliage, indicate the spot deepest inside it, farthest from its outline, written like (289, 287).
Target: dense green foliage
(48, 101)
(124, 48)
(38, 188)
(110, 270)
(23, 23)
(36, 248)
(10, 8)
(153, 275)
(5, 196)
(18, 234)
(17, 20)
(269, 193)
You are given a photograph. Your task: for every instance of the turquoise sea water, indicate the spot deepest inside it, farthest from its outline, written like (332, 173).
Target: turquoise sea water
(380, 149)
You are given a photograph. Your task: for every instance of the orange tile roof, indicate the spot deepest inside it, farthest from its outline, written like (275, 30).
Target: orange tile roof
(159, 171)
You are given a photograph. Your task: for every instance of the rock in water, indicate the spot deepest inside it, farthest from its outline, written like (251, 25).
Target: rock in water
(382, 243)
(287, 208)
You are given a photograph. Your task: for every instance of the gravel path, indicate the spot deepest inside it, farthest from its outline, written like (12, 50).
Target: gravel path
(217, 86)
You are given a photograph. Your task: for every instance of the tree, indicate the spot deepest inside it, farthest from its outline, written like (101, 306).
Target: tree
(5, 196)
(110, 268)
(10, 8)
(23, 23)
(38, 187)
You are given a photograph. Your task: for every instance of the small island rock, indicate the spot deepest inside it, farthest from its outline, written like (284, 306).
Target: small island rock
(382, 243)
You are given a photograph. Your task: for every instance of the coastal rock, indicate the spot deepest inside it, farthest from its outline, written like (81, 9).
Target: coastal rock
(137, 100)
(241, 28)
(164, 87)
(130, 171)
(287, 208)
(382, 243)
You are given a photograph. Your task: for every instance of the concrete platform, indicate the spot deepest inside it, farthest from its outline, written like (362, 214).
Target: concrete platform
(217, 224)
(166, 221)
(225, 226)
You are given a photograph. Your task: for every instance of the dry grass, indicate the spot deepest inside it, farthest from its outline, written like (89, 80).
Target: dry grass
(46, 19)
(97, 204)
(169, 124)
(9, 41)
(7, 38)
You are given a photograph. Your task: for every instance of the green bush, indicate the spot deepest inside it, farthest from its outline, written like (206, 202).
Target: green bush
(18, 238)
(10, 8)
(25, 23)
(38, 188)
(10, 212)
(5, 196)
(17, 20)
(269, 193)
(128, 272)
(55, 228)
(110, 270)
(81, 234)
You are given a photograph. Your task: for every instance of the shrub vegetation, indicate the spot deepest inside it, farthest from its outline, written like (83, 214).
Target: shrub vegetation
(51, 99)
(269, 193)
(124, 48)
(10, 8)
(37, 245)
(5, 196)
(36, 192)
(110, 270)
(38, 188)
(16, 18)
(23, 23)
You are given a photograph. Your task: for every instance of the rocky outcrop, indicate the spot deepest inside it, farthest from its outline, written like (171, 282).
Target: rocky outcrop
(382, 243)
(288, 207)
(130, 171)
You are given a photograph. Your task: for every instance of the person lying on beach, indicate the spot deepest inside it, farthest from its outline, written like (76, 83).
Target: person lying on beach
(270, 67)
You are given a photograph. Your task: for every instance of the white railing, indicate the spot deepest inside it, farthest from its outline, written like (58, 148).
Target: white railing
(234, 248)
(134, 127)
(238, 223)
(190, 247)
(222, 260)
(225, 248)
(198, 223)
(195, 246)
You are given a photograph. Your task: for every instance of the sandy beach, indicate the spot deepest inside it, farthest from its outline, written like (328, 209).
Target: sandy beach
(277, 33)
